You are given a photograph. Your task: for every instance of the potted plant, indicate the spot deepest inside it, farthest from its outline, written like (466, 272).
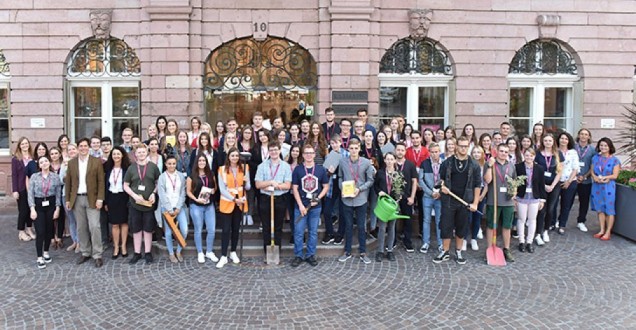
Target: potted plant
(625, 224)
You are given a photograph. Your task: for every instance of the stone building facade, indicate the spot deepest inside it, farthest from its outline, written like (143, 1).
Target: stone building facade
(568, 63)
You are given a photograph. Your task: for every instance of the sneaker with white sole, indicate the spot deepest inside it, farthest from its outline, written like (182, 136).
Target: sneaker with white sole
(46, 257)
(41, 264)
(201, 258)
(424, 248)
(473, 245)
(546, 237)
(346, 256)
(234, 257)
(480, 234)
(442, 256)
(365, 259)
(222, 262)
(464, 245)
(459, 258)
(539, 240)
(582, 227)
(210, 255)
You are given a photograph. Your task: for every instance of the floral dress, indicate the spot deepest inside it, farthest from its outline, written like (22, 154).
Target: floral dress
(604, 194)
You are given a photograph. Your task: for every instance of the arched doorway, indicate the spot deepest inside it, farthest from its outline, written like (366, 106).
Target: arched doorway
(274, 76)
(102, 84)
(545, 87)
(416, 81)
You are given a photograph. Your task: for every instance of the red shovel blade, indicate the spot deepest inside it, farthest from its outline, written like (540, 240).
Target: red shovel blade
(495, 256)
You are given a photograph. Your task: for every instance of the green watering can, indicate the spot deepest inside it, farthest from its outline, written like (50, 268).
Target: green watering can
(387, 209)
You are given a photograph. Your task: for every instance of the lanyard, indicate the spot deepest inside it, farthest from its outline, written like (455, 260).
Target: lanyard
(45, 188)
(529, 172)
(273, 173)
(402, 166)
(602, 164)
(435, 172)
(346, 144)
(313, 169)
(182, 156)
(173, 182)
(417, 155)
(389, 182)
(578, 150)
(236, 185)
(142, 176)
(206, 181)
(116, 176)
(355, 174)
(502, 177)
(368, 153)
(330, 131)
(548, 161)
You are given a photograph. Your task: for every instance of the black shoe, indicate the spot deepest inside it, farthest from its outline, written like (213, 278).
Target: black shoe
(149, 258)
(522, 247)
(136, 257)
(390, 256)
(337, 240)
(442, 256)
(99, 262)
(508, 255)
(530, 248)
(296, 262)
(515, 234)
(409, 247)
(379, 256)
(291, 240)
(459, 258)
(312, 261)
(83, 259)
(327, 239)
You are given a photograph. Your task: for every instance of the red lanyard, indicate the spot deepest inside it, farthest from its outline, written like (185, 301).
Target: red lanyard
(603, 164)
(142, 176)
(206, 181)
(417, 155)
(346, 144)
(502, 177)
(330, 131)
(116, 176)
(435, 171)
(368, 153)
(402, 166)
(354, 174)
(548, 161)
(236, 185)
(313, 169)
(389, 182)
(273, 173)
(173, 182)
(45, 188)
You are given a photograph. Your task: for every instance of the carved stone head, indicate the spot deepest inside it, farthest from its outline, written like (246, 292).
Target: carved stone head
(419, 22)
(100, 23)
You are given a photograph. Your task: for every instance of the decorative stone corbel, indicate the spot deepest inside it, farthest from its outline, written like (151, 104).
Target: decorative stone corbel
(548, 25)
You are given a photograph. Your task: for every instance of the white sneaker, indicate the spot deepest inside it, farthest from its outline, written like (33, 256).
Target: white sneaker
(201, 258)
(546, 238)
(235, 259)
(221, 262)
(210, 255)
(582, 227)
(464, 245)
(480, 234)
(539, 241)
(473, 245)
(248, 221)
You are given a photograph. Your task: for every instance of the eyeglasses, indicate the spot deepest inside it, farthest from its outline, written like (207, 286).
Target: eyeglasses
(462, 146)
(308, 153)
(359, 126)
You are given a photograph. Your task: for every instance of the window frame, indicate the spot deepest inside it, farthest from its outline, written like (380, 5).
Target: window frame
(5, 84)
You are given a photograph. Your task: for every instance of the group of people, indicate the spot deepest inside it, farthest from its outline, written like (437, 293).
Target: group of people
(96, 193)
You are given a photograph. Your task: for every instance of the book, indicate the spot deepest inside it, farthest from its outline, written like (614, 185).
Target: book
(171, 140)
(348, 188)
(205, 194)
(332, 159)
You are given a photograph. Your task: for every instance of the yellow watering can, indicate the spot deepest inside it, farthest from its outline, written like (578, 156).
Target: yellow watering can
(387, 209)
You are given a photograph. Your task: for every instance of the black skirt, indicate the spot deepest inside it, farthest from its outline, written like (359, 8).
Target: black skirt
(117, 208)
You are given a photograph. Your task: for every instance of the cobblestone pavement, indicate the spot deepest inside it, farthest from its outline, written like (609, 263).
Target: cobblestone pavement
(575, 281)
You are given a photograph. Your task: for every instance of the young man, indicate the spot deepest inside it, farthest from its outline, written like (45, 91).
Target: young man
(409, 171)
(304, 129)
(330, 127)
(505, 205)
(506, 130)
(333, 196)
(429, 175)
(358, 130)
(461, 176)
(96, 145)
(126, 136)
(273, 176)
(257, 124)
(360, 171)
(232, 126)
(85, 190)
(310, 184)
(345, 133)
(140, 183)
(364, 117)
(584, 177)
(106, 145)
(417, 154)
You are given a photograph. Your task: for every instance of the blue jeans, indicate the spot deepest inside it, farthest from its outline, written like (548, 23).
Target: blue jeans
(309, 221)
(200, 214)
(72, 225)
(330, 205)
(373, 201)
(182, 223)
(431, 204)
(361, 219)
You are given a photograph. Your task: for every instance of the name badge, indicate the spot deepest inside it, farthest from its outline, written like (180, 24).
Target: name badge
(141, 188)
(528, 190)
(503, 189)
(45, 203)
(581, 164)
(310, 195)
(548, 174)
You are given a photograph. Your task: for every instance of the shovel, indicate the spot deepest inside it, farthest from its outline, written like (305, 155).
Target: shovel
(439, 185)
(272, 254)
(494, 254)
(175, 230)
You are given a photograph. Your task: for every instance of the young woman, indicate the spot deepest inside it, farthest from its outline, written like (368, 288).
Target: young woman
(161, 124)
(531, 197)
(469, 132)
(537, 135)
(202, 207)
(605, 168)
(40, 150)
(317, 139)
(247, 142)
(514, 152)
(151, 132)
(45, 201)
(219, 132)
(294, 160)
(584, 182)
(205, 148)
(195, 126)
(229, 142)
(281, 135)
(383, 142)
(19, 162)
(294, 134)
(475, 218)
(526, 143)
(485, 142)
(182, 153)
(428, 137)
(56, 165)
(171, 188)
(550, 159)
(406, 135)
(570, 170)
(439, 135)
(383, 184)
(62, 143)
(232, 178)
(72, 224)
(447, 134)
(451, 145)
(395, 131)
(116, 201)
(153, 153)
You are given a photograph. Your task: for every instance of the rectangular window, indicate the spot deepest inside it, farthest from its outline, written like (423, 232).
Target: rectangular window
(5, 141)
(393, 101)
(520, 109)
(431, 104)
